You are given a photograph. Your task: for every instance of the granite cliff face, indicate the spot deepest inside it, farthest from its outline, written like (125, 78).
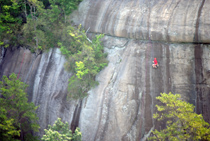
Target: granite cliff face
(162, 20)
(47, 82)
(121, 106)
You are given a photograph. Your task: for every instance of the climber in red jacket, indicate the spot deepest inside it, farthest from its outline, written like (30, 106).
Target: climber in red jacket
(155, 65)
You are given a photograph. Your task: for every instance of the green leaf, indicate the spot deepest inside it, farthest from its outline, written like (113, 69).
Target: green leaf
(14, 100)
(181, 121)
(60, 131)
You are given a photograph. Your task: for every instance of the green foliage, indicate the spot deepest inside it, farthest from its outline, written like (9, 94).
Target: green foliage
(7, 130)
(10, 21)
(64, 50)
(35, 30)
(81, 70)
(60, 132)
(181, 121)
(66, 6)
(17, 115)
(62, 8)
(36, 24)
(85, 59)
(45, 27)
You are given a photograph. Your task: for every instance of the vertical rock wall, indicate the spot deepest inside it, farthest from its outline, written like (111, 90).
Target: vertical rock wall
(121, 106)
(47, 82)
(173, 31)
(162, 20)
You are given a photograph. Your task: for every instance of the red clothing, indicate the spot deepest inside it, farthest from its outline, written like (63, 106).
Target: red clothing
(155, 61)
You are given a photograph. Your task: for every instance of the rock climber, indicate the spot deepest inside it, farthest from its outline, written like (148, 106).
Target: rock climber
(155, 63)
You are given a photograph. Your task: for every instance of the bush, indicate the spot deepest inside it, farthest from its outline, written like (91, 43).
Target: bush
(85, 59)
(60, 132)
(182, 123)
(18, 117)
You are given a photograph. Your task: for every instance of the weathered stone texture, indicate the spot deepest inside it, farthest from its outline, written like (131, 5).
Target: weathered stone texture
(127, 105)
(47, 82)
(162, 20)
(121, 107)
(137, 31)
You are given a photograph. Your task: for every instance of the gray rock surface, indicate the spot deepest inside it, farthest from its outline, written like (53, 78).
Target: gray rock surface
(121, 106)
(162, 20)
(47, 83)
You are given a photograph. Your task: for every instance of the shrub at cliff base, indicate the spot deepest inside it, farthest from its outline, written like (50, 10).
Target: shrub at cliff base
(17, 117)
(182, 123)
(60, 132)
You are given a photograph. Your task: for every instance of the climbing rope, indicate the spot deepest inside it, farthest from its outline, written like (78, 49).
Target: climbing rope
(21, 65)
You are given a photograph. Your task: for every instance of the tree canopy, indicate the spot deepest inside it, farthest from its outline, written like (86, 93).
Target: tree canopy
(18, 117)
(10, 21)
(60, 132)
(85, 59)
(182, 123)
(44, 25)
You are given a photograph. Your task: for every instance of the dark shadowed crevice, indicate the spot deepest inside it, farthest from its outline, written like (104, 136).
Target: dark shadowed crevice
(2, 54)
(76, 116)
(198, 52)
(2, 58)
(199, 76)
(196, 36)
(146, 99)
(158, 80)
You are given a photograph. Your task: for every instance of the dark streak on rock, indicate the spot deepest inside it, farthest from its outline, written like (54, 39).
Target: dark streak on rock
(112, 32)
(148, 22)
(196, 37)
(198, 52)
(185, 17)
(76, 116)
(107, 16)
(148, 99)
(92, 11)
(101, 26)
(169, 21)
(199, 75)
(168, 76)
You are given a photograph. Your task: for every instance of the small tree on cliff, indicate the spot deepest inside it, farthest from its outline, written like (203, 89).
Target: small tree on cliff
(17, 117)
(182, 123)
(60, 132)
(85, 59)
